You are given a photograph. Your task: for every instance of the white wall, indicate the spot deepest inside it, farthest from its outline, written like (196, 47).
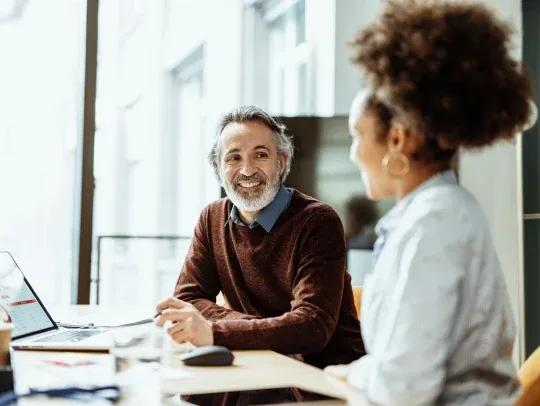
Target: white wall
(493, 175)
(320, 32)
(351, 16)
(331, 25)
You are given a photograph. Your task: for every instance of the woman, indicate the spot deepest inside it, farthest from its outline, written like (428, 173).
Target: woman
(436, 319)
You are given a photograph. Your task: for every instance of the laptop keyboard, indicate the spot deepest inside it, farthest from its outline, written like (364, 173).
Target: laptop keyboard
(69, 336)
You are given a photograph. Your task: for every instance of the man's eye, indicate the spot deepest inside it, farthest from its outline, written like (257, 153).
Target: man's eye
(231, 159)
(262, 155)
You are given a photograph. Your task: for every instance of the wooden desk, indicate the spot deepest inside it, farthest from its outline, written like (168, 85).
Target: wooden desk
(143, 385)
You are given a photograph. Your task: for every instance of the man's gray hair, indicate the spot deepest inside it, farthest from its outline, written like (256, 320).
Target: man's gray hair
(245, 114)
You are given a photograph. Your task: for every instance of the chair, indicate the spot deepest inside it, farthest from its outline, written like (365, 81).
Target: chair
(357, 295)
(529, 376)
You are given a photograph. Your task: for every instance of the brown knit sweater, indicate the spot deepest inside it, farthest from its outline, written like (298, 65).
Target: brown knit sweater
(286, 290)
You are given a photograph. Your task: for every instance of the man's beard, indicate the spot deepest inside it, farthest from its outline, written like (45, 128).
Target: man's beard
(251, 201)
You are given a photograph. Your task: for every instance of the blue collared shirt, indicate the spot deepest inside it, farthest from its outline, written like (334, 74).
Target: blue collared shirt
(269, 215)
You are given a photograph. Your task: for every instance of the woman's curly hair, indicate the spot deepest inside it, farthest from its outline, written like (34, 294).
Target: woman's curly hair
(446, 71)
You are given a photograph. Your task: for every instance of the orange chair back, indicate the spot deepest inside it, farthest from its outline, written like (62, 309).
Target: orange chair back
(529, 376)
(357, 295)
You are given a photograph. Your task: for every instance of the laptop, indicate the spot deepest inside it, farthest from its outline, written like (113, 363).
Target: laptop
(33, 326)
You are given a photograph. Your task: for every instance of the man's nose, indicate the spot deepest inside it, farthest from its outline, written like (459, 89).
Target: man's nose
(248, 169)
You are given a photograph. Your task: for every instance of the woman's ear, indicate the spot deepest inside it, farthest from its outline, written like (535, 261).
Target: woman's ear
(401, 139)
(396, 139)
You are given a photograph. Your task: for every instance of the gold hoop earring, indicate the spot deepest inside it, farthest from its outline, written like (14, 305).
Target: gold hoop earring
(399, 157)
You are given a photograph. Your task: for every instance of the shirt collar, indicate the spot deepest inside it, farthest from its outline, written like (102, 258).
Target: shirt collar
(390, 219)
(268, 216)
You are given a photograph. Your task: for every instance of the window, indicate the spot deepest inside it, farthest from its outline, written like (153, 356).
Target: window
(165, 71)
(151, 172)
(189, 131)
(41, 104)
(289, 71)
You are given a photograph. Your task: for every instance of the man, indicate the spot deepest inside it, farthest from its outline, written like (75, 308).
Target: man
(277, 255)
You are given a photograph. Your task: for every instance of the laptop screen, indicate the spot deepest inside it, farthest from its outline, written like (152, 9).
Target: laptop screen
(19, 300)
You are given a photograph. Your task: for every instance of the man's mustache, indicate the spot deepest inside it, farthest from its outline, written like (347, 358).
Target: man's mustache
(252, 178)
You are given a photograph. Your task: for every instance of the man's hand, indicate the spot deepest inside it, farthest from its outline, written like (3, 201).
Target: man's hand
(188, 324)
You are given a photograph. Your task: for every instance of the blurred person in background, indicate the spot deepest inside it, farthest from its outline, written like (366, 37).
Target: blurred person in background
(362, 214)
(436, 317)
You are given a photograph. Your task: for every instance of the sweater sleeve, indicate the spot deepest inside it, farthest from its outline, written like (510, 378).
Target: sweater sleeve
(316, 296)
(198, 282)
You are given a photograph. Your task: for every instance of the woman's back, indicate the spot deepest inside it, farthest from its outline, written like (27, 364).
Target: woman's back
(436, 315)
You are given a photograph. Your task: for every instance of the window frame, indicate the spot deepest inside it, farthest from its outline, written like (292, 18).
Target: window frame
(280, 71)
(84, 204)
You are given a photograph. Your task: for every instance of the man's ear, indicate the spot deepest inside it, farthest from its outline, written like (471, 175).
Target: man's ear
(282, 163)
(219, 175)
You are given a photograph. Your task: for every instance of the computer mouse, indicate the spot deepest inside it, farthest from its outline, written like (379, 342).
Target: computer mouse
(208, 355)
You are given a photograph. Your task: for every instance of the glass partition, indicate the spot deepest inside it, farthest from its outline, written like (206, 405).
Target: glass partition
(137, 268)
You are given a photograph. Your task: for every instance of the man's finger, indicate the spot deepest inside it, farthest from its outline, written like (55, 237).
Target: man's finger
(180, 337)
(165, 304)
(176, 327)
(170, 302)
(173, 315)
(162, 305)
